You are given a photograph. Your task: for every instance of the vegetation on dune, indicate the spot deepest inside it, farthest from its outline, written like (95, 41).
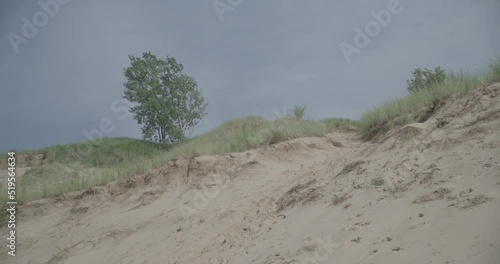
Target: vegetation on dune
(63, 168)
(102, 152)
(251, 132)
(80, 166)
(419, 103)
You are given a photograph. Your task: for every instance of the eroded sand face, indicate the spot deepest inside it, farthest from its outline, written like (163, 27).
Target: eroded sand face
(425, 193)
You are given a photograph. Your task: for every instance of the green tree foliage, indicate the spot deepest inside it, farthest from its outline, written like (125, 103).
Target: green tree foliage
(423, 79)
(169, 104)
(299, 111)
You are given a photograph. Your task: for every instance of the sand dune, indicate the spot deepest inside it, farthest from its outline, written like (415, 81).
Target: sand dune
(424, 193)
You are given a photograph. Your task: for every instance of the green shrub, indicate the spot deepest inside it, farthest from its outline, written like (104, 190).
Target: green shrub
(424, 79)
(299, 111)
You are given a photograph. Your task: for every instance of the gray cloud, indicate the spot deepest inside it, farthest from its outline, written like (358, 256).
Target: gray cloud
(263, 56)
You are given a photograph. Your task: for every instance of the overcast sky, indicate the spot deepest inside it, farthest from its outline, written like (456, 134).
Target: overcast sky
(65, 77)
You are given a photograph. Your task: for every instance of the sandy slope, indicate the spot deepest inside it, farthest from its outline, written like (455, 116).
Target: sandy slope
(309, 200)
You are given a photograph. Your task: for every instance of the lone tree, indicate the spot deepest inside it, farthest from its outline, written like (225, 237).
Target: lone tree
(169, 104)
(423, 79)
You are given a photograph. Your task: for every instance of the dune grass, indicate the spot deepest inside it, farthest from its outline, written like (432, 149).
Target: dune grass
(416, 105)
(251, 132)
(103, 152)
(80, 166)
